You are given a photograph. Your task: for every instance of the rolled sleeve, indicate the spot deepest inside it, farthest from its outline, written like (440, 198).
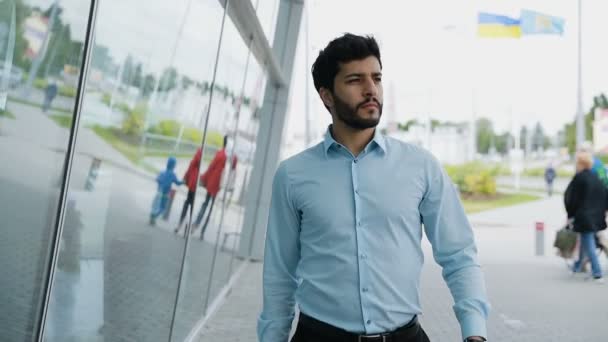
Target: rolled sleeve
(451, 237)
(281, 258)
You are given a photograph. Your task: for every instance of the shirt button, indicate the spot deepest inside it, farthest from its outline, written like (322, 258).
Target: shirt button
(364, 289)
(357, 191)
(355, 161)
(359, 223)
(363, 256)
(368, 322)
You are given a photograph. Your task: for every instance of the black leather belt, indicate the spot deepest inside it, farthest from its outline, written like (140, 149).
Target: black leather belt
(409, 330)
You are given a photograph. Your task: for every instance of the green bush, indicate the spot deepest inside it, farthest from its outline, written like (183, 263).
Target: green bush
(168, 128)
(133, 124)
(193, 135)
(67, 91)
(40, 83)
(106, 99)
(474, 178)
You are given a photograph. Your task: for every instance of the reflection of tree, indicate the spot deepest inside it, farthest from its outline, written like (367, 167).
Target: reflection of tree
(22, 12)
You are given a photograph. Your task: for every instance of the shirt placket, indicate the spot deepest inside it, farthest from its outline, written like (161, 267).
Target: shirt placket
(361, 250)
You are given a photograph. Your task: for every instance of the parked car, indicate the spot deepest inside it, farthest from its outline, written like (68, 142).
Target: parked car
(15, 77)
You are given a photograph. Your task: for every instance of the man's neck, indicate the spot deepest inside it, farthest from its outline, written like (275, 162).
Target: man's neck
(353, 139)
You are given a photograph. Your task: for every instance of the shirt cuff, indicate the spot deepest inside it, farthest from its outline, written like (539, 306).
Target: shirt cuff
(473, 325)
(274, 330)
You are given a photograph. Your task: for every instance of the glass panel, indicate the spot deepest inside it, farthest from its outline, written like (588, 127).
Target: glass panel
(148, 87)
(223, 171)
(41, 45)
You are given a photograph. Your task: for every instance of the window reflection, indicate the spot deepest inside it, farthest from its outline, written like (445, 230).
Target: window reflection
(41, 45)
(150, 98)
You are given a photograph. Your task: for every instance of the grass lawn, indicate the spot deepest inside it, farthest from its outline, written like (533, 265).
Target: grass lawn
(131, 150)
(6, 114)
(62, 120)
(474, 205)
(38, 105)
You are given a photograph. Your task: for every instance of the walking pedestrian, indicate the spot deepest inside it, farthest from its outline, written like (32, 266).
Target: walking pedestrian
(346, 221)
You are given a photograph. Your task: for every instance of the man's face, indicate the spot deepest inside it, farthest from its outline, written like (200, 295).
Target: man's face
(357, 96)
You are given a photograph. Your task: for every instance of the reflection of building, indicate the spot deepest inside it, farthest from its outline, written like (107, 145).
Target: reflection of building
(35, 28)
(449, 144)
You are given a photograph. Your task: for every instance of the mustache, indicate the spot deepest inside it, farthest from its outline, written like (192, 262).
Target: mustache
(368, 101)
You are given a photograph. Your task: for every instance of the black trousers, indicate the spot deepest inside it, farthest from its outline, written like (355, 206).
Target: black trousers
(310, 330)
(188, 203)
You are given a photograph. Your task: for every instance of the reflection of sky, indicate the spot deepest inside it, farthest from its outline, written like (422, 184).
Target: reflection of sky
(148, 32)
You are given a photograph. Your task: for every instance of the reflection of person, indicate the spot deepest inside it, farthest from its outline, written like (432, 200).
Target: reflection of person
(190, 178)
(345, 222)
(586, 202)
(50, 92)
(164, 180)
(231, 182)
(63, 301)
(549, 178)
(211, 181)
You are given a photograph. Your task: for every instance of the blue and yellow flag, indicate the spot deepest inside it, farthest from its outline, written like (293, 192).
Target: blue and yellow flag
(538, 23)
(497, 26)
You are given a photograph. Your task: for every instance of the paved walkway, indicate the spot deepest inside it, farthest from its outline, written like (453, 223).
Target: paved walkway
(533, 297)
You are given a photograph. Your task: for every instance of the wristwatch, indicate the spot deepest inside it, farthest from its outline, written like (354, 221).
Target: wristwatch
(470, 339)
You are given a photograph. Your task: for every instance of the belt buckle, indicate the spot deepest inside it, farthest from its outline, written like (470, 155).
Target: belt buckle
(363, 338)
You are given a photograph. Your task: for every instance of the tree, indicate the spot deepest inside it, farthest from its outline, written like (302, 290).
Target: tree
(149, 83)
(22, 11)
(409, 123)
(485, 135)
(168, 79)
(128, 70)
(503, 142)
(538, 137)
(137, 76)
(599, 101)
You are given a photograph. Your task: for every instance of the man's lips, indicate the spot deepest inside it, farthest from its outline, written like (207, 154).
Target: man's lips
(369, 105)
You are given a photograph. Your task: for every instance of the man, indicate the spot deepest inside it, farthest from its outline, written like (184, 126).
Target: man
(50, 92)
(344, 229)
(549, 178)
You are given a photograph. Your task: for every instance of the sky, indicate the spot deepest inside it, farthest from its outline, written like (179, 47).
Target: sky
(433, 63)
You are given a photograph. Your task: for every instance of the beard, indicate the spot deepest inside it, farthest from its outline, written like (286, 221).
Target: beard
(350, 116)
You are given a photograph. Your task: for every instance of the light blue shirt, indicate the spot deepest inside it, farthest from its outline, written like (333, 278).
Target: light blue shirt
(344, 240)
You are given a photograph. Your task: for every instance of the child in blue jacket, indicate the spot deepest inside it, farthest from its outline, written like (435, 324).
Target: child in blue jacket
(164, 180)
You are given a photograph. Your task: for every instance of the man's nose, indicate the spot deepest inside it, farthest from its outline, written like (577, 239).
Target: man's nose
(370, 88)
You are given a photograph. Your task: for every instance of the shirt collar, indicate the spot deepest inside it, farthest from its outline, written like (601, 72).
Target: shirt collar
(329, 141)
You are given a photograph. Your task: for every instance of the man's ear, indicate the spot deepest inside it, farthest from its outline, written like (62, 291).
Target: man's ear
(327, 97)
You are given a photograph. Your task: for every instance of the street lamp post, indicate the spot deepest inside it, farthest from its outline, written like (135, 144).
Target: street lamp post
(580, 120)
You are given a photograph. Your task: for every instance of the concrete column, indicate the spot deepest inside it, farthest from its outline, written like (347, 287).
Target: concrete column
(270, 134)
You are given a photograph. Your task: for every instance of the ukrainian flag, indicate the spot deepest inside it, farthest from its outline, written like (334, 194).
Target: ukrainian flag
(497, 26)
(538, 23)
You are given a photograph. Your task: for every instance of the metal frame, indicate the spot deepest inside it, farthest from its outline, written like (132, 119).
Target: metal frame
(56, 237)
(246, 20)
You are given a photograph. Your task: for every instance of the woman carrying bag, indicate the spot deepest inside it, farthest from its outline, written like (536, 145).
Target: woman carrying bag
(586, 202)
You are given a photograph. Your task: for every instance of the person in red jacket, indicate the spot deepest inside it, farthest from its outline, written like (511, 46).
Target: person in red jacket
(190, 180)
(211, 181)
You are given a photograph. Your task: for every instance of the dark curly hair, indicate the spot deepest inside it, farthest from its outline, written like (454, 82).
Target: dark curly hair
(344, 49)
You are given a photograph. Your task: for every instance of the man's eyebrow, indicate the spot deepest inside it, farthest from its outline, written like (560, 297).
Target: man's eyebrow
(359, 74)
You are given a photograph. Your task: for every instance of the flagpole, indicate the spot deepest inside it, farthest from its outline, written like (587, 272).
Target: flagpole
(580, 121)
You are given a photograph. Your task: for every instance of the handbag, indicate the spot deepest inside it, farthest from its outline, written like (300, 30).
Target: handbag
(565, 241)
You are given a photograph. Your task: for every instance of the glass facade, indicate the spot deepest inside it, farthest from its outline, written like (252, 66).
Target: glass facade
(92, 200)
